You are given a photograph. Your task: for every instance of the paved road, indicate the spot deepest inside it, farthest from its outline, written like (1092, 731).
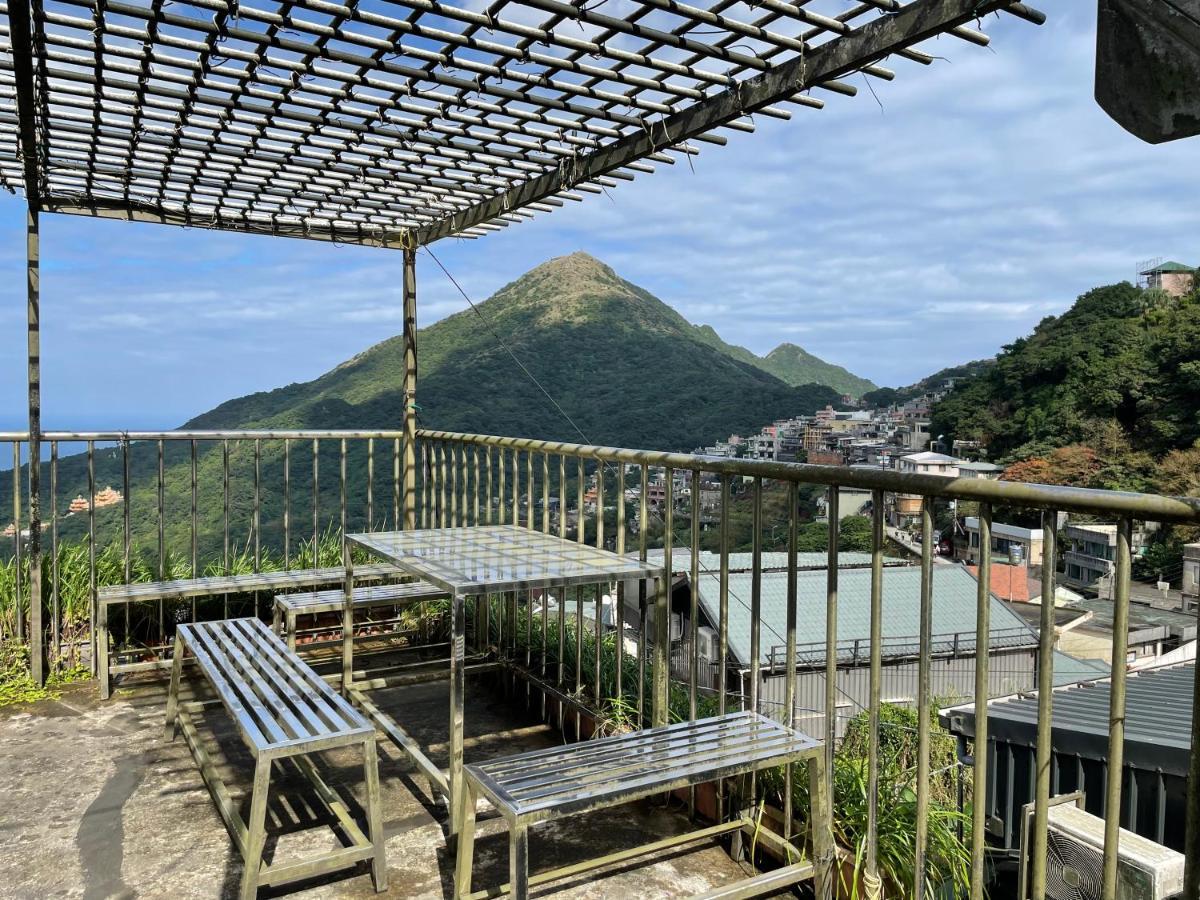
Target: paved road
(901, 537)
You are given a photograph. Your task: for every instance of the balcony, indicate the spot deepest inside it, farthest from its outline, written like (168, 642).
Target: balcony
(195, 503)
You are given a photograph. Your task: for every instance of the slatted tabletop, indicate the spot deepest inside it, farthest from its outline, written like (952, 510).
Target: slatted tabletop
(485, 558)
(310, 602)
(625, 767)
(279, 704)
(236, 584)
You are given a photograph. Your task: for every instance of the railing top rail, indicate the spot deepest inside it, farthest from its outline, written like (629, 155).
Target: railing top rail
(1035, 496)
(209, 435)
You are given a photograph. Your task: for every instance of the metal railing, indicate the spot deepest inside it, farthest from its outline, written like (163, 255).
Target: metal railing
(562, 488)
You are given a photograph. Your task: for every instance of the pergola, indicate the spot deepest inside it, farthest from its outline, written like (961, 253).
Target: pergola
(395, 123)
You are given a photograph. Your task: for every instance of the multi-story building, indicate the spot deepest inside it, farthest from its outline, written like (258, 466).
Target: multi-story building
(1191, 574)
(1090, 555)
(906, 508)
(1010, 542)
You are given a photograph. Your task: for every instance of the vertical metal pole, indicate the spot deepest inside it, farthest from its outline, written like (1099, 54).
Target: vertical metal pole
(871, 878)
(316, 502)
(257, 519)
(370, 484)
(17, 556)
(195, 521)
(396, 520)
(756, 595)
(723, 625)
(982, 631)
(56, 621)
(92, 588)
(37, 637)
(660, 697)
(545, 496)
(831, 631)
(341, 491)
(643, 515)
(162, 541)
(619, 622)
(287, 504)
(409, 388)
(1045, 706)
(790, 687)
(580, 523)
(924, 698)
(1116, 711)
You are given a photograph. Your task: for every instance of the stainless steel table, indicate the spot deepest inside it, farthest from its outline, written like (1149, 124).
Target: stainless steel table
(473, 562)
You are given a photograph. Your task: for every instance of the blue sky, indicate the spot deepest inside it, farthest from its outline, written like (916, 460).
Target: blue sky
(894, 238)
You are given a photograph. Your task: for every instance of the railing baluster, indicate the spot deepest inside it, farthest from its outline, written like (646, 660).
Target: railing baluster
(562, 496)
(342, 484)
(660, 672)
(370, 484)
(18, 614)
(924, 698)
(256, 523)
(55, 612)
(92, 587)
(643, 514)
(488, 493)
(225, 509)
(162, 541)
(287, 504)
(195, 518)
(126, 515)
(871, 873)
(755, 595)
(397, 522)
(516, 487)
(501, 486)
(722, 623)
(316, 501)
(545, 493)
(580, 523)
(979, 778)
(600, 505)
(1045, 687)
(619, 617)
(832, 558)
(426, 485)
(475, 486)
(1116, 711)
(452, 452)
(529, 513)
(793, 525)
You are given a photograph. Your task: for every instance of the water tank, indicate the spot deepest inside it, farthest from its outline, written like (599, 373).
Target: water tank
(1016, 554)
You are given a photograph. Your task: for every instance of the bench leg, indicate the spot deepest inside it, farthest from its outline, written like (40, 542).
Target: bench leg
(466, 842)
(276, 621)
(256, 829)
(291, 631)
(102, 651)
(173, 693)
(518, 862)
(375, 816)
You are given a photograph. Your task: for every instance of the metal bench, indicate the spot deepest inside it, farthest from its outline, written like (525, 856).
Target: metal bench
(212, 586)
(544, 784)
(288, 607)
(282, 710)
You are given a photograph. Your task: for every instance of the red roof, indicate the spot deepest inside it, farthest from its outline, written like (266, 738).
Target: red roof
(1009, 582)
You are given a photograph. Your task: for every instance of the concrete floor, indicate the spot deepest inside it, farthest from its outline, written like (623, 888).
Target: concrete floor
(95, 804)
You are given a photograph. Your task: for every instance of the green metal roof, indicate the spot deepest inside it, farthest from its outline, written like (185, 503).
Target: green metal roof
(681, 559)
(1168, 267)
(954, 597)
(1070, 669)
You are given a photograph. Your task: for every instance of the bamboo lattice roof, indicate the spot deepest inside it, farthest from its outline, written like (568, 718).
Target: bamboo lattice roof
(399, 122)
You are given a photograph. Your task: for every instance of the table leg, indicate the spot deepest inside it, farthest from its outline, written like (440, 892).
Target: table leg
(466, 842)
(457, 691)
(375, 816)
(348, 621)
(102, 664)
(518, 861)
(256, 829)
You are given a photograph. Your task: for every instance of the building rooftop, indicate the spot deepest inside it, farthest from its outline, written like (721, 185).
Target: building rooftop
(954, 597)
(1158, 719)
(681, 560)
(928, 456)
(1141, 617)
(1168, 268)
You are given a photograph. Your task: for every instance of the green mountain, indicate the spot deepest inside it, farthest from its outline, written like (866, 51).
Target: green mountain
(1118, 373)
(791, 364)
(886, 396)
(795, 365)
(626, 368)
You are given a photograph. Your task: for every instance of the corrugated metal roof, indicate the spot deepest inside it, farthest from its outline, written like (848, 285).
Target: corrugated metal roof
(681, 560)
(954, 598)
(1158, 719)
(1070, 669)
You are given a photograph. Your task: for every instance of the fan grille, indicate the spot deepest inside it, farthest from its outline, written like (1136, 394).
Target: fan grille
(1074, 871)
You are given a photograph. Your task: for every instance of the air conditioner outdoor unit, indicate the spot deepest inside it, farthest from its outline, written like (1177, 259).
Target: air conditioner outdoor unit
(1075, 858)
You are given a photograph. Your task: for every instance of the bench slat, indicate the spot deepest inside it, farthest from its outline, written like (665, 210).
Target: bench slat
(578, 776)
(237, 584)
(277, 701)
(313, 602)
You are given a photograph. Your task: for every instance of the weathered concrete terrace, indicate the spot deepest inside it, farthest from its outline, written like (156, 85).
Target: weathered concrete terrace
(95, 803)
